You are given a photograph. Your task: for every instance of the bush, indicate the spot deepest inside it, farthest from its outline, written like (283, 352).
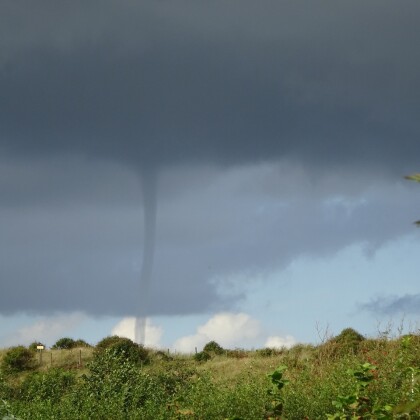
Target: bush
(64, 343)
(117, 389)
(51, 385)
(17, 359)
(6, 390)
(81, 343)
(106, 343)
(136, 353)
(160, 355)
(269, 351)
(349, 339)
(348, 342)
(213, 347)
(202, 356)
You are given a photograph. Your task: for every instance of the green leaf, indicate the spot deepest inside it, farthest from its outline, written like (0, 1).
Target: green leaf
(414, 177)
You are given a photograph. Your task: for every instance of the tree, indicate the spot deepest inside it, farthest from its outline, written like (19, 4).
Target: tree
(414, 177)
(213, 347)
(64, 343)
(81, 343)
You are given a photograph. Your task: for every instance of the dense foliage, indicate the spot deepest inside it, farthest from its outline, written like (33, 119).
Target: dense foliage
(213, 347)
(17, 359)
(67, 343)
(64, 343)
(135, 353)
(377, 379)
(348, 341)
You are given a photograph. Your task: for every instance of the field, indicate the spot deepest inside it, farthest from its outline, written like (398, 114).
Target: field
(346, 377)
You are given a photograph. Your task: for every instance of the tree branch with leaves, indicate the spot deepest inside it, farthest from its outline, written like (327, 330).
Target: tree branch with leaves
(414, 177)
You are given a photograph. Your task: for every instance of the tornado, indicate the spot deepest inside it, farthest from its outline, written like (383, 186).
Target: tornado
(149, 193)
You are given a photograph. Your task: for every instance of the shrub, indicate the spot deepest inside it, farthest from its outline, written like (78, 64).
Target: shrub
(160, 355)
(348, 342)
(64, 343)
(136, 353)
(269, 351)
(116, 388)
(6, 390)
(17, 359)
(81, 343)
(213, 347)
(349, 339)
(51, 385)
(202, 356)
(106, 343)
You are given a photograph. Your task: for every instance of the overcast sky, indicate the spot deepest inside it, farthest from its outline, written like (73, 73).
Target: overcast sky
(278, 133)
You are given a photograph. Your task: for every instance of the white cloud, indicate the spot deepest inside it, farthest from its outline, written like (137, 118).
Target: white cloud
(228, 329)
(125, 328)
(47, 330)
(279, 342)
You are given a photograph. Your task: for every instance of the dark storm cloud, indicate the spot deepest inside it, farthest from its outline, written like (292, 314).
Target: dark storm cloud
(393, 305)
(85, 254)
(168, 82)
(92, 91)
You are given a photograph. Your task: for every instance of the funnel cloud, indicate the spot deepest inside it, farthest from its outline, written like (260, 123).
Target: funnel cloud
(149, 189)
(277, 131)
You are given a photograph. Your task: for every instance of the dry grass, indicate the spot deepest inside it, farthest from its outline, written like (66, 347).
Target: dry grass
(226, 369)
(76, 358)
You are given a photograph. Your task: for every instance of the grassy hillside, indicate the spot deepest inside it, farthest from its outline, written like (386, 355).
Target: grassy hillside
(346, 377)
